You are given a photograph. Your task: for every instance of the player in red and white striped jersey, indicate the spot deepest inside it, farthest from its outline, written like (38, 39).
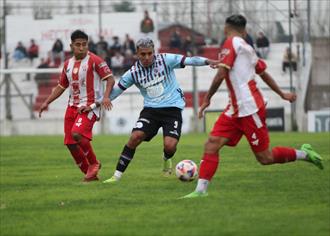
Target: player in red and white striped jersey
(246, 112)
(83, 75)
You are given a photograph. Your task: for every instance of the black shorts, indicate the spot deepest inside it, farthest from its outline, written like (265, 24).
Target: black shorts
(151, 119)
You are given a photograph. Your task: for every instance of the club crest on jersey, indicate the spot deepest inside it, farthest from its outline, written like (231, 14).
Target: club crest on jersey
(75, 70)
(156, 70)
(224, 52)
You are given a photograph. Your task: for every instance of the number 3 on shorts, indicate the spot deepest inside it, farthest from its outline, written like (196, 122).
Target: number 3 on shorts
(176, 123)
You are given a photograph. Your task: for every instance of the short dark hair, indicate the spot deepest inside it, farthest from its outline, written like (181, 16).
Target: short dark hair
(78, 34)
(237, 21)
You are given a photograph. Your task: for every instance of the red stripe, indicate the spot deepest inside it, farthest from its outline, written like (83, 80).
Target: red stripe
(90, 82)
(232, 96)
(75, 83)
(256, 93)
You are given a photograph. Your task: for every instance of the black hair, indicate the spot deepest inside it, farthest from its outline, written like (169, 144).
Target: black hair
(236, 21)
(78, 34)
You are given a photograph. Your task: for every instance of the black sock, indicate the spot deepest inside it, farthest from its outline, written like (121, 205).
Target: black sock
(125, 158)
(167, 155)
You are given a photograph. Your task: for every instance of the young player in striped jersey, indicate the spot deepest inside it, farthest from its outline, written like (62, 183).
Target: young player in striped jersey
(246, 112)
(153, 74)
(83, 75)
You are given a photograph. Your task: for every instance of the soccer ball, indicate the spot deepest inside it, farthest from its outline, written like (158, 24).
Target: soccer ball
(186, 170)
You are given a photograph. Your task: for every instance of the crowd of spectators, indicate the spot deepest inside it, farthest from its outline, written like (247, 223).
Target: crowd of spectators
(118, 53)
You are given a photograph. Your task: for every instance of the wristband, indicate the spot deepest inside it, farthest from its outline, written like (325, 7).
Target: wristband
(92, 106)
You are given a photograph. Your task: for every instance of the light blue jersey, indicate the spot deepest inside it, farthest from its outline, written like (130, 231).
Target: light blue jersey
(157, 83)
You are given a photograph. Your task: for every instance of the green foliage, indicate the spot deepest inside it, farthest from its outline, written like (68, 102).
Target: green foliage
(124, 6)
(42, 192)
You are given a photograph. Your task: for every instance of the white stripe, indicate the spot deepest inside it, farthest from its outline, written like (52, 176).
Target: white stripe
(257, 120)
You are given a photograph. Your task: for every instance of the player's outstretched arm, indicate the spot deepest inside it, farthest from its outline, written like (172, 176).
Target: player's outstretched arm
(57, 91)
(201, 61)
(217, 80)
(106, 102)
(267, 78)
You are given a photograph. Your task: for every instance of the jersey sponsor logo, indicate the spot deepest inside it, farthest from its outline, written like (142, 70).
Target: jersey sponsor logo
(75, 70)
(155, 90)
(157, 79)
(84, 68)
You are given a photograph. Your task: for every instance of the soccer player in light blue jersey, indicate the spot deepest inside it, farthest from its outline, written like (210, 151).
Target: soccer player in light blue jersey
(153, 74)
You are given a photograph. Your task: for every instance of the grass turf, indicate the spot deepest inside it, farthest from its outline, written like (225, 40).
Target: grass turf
(42, 192)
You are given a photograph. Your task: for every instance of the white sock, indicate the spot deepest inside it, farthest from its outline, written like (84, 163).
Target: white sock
(202, 185)
(301, 155)
(117, 174)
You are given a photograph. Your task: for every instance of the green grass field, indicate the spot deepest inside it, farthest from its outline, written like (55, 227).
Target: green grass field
(42, 192)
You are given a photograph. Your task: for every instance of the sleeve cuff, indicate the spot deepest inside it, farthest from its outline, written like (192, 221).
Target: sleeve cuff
(64, 88)
(224, 65)
(182, 62)
(107, 76)
(121, 87)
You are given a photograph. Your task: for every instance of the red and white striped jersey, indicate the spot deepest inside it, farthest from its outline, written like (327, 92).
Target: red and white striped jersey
(243, 64)
(84, 79)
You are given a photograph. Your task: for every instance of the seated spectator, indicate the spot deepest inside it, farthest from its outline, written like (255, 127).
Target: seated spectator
(175, 40)
(57, 53)
(91, 45)
(43, 78)
(248, 38)
(19, 52)
(102, 47)
(187, 46)
(117, 63)
(129, 60)
(115, 46)
(289, 59)
(33, 51)
(262, 44)
(128, 44)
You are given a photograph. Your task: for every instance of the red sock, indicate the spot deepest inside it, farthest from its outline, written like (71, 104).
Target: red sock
(283, 154)
(79, 157)
(209, 165)
(86, 146)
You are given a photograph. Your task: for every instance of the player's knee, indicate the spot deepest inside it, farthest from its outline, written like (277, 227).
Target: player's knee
(264, 159)
(76, 136)
(170, 148)
(211, 145)
(72, 147)
(136, 138)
